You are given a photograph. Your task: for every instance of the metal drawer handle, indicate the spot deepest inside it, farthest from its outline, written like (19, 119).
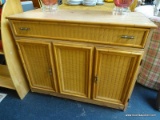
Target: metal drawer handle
(127, 37)
(24, 28)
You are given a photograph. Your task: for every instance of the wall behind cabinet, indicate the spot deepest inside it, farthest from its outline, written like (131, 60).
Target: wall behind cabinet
(35, 3)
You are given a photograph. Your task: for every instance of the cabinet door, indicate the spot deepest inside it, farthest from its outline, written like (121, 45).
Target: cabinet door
(115, 72)
(37, 60)
(74, 68)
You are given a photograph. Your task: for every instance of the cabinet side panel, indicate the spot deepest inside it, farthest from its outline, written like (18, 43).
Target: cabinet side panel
(16, 71)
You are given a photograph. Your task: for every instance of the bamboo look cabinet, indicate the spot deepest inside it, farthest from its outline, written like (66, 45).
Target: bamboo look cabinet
(89, 56)
(12, 74)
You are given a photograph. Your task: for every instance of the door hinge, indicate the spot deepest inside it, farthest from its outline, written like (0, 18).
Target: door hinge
(50, 71)
(96, 79)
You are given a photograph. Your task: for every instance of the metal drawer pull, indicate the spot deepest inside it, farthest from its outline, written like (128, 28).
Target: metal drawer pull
(24, 28)
(127, 37)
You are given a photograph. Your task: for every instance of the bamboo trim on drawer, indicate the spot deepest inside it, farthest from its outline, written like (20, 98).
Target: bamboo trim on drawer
(123, 36)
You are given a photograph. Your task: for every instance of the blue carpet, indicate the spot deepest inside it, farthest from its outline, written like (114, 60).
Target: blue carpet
(44, 107)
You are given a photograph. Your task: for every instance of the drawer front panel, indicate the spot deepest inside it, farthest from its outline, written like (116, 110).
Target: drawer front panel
(77, 32)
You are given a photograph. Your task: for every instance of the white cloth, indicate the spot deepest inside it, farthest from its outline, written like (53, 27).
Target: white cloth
(148, 11)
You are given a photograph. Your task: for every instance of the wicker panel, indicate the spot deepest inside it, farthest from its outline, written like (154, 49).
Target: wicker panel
(114, 72)
(74, 69)
(79, 32)
(37, 62)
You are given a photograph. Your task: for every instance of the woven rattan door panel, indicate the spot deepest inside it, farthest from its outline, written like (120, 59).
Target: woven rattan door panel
(74, 68)
(114, 75)
(38, 62)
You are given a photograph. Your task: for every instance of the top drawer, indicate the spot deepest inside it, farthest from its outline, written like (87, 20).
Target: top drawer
(124, 36)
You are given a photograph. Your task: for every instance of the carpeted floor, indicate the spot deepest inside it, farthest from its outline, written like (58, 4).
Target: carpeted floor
(44, 107)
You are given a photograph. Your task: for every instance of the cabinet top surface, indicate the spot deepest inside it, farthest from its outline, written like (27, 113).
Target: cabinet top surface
(132, 19)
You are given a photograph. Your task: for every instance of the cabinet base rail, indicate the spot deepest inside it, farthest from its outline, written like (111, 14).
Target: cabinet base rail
(85, 100)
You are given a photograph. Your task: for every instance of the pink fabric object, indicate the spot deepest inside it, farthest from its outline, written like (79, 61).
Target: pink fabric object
(149, 75)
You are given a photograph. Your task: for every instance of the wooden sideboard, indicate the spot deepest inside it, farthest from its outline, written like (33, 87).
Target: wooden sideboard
(85, 55)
